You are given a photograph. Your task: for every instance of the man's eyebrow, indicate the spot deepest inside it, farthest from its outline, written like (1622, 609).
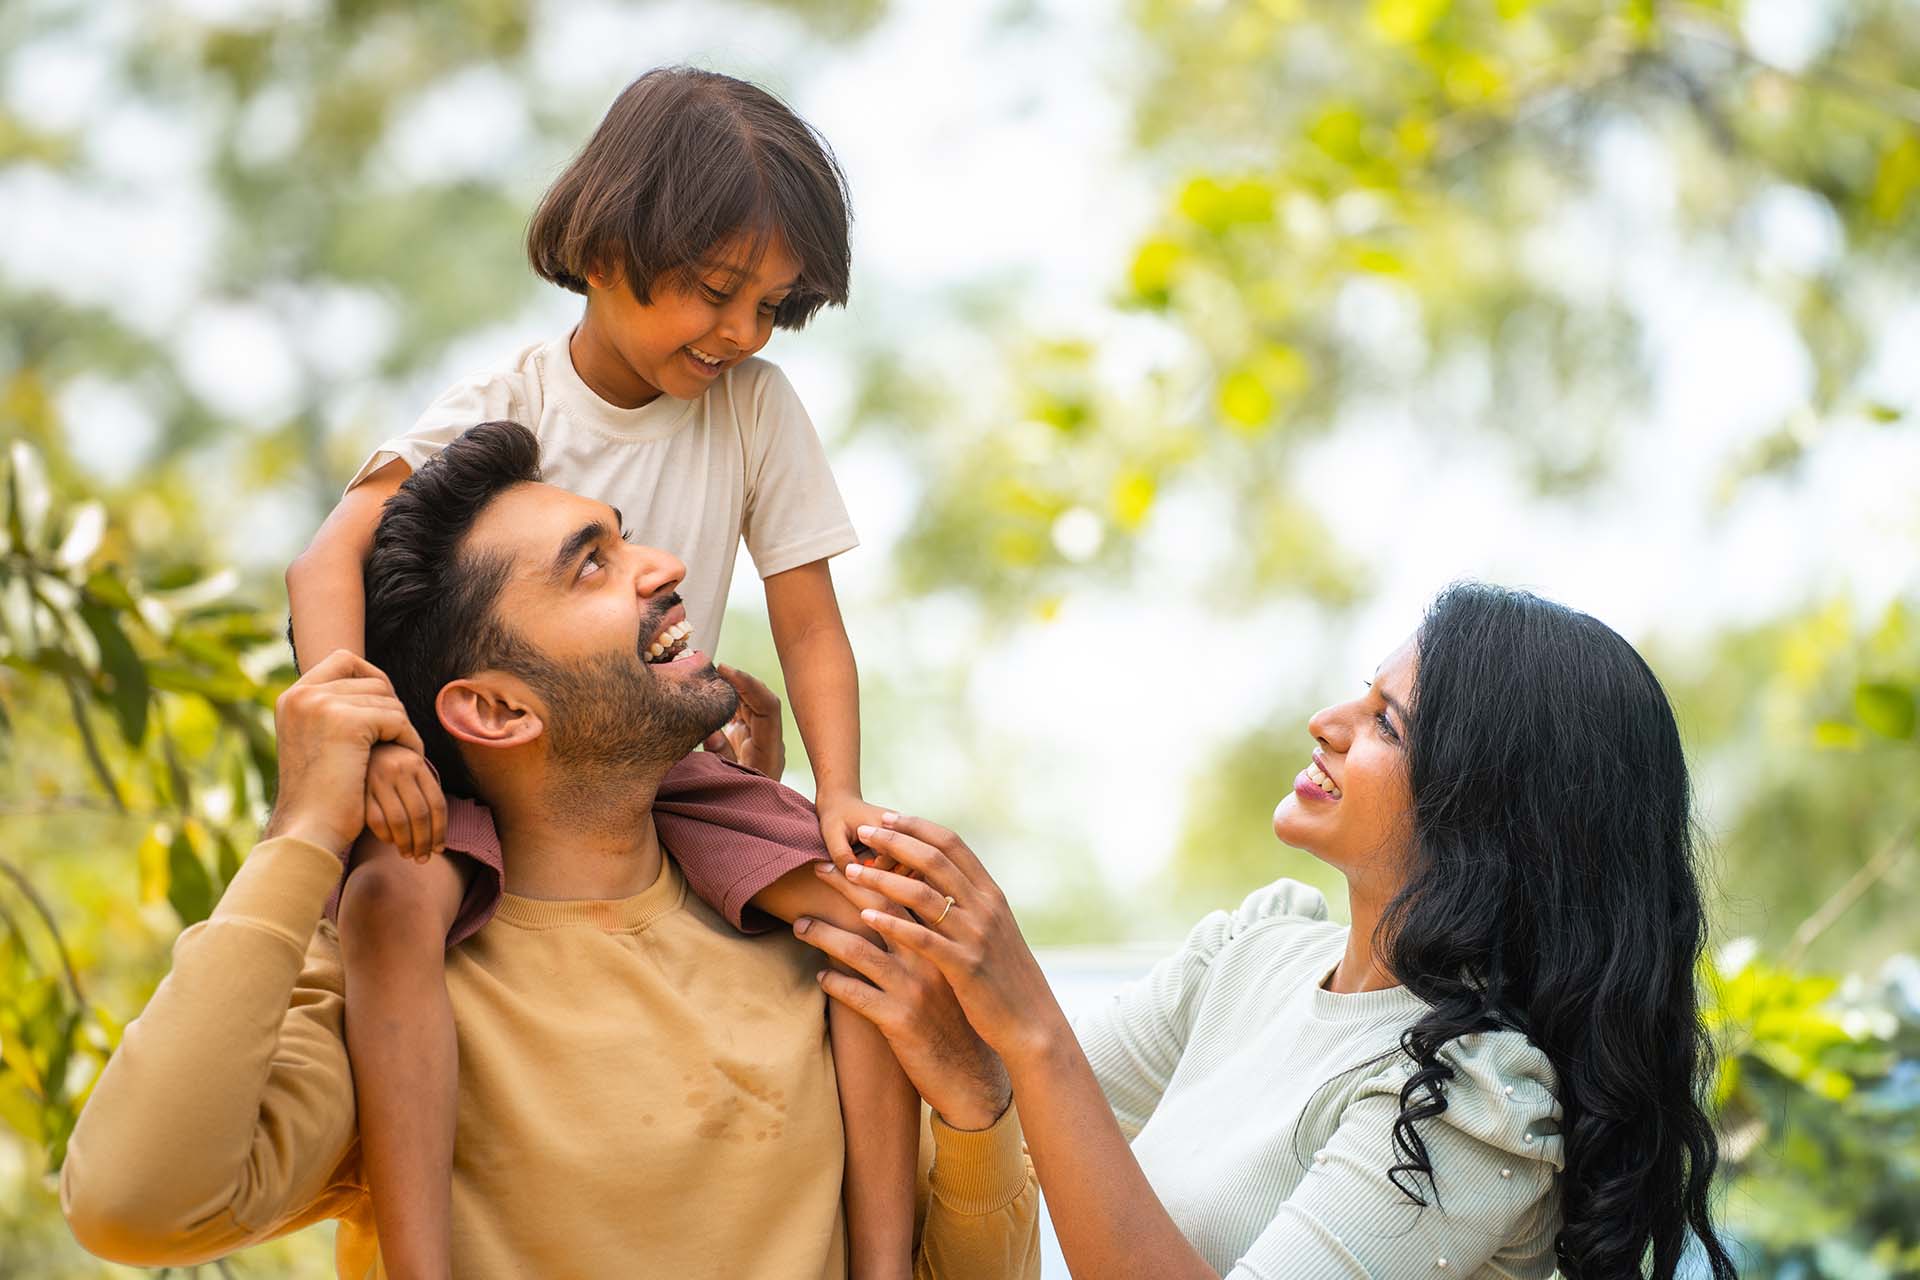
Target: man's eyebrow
(577, 541)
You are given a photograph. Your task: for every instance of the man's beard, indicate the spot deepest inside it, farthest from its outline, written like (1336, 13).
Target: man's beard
(610, 716)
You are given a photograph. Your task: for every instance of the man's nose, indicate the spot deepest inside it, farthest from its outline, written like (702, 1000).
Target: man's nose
(660, 571)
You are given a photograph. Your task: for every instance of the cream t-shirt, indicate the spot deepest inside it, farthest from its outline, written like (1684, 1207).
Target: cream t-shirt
(690, 476)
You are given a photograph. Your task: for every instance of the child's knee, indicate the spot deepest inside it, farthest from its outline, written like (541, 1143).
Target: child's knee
(391, 897)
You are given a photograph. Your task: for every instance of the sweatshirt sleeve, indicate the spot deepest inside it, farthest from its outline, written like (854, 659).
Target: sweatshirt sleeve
(981, 1206)
(226, 1116)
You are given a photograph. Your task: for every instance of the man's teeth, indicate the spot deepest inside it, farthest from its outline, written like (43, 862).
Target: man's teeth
(1317, 776)
(668, 640)
(702, 356)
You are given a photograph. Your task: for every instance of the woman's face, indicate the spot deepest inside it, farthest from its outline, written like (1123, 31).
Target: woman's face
(1351, 806)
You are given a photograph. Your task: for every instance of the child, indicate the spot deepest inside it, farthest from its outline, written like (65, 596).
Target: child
(701, 215)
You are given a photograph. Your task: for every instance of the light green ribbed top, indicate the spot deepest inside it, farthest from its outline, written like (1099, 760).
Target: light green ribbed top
(1261, 1108)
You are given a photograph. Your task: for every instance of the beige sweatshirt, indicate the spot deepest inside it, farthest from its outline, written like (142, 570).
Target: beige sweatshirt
(643, 1092)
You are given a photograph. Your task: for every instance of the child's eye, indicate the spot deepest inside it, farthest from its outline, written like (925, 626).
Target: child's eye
(714, 296)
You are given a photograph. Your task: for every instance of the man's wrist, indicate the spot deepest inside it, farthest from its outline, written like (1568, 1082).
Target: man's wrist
(981, 1107)
(298, 826)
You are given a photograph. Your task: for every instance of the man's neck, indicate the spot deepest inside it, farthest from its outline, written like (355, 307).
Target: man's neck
(564, 850)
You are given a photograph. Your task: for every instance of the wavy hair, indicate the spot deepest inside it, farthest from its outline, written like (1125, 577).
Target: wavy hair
(1552, 890)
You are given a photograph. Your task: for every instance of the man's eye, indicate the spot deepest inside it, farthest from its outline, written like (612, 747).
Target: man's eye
(628, 535)
(592, 562)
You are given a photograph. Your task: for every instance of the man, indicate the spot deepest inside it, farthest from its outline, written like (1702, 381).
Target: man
(643, 1089)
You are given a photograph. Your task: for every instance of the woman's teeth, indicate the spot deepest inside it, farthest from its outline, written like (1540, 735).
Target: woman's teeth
(1317, 776)
(703, 357)
(671, 643)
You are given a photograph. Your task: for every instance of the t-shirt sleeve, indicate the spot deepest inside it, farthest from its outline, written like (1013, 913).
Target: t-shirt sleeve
(794, 514)
(1135, 1040)
(1494, 1150)
(489, 398)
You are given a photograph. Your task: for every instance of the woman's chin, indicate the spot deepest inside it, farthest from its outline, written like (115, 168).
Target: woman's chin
(1288, 822)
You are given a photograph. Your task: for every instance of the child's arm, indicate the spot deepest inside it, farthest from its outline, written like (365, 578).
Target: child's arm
(326, 590)
(824, 688)
(878, 1105)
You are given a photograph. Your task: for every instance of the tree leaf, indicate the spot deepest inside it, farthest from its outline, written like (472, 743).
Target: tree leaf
(190, 889)
(1885, 707)
(126, 674)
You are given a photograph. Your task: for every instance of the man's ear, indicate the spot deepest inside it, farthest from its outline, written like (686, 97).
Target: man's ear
(489, 710)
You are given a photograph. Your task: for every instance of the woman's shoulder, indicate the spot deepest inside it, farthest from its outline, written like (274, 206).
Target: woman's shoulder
(1501, 1089)
(1279, 913)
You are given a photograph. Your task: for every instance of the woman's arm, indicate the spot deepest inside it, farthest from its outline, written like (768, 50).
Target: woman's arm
(1108, 1219)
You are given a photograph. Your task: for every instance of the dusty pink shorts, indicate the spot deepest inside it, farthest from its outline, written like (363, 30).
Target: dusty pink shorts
(733, 832)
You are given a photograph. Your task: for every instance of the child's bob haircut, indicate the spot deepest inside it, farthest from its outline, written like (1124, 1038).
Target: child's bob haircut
(684, 160)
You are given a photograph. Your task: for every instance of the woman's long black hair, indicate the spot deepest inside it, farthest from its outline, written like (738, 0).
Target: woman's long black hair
(1552, 889)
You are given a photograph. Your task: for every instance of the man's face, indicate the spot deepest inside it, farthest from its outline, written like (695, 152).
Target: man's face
(614, 657)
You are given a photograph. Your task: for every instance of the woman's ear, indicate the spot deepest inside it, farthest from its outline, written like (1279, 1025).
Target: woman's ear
(489, 710)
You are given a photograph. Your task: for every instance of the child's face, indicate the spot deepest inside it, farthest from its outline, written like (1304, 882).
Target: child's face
(687, 335)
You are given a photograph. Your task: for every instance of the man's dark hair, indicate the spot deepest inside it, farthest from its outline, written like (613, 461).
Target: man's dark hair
(430, 603)
(684, 160)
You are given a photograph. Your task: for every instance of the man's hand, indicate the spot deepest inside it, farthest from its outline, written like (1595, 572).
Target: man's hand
(904, 996)
(405, 806)
(755, 736)
(327, 723)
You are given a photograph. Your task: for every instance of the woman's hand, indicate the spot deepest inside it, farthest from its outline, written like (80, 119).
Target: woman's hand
(966, 930)
(905, 997)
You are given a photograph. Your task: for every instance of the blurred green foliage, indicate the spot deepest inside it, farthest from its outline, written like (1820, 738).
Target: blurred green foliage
(1405, 149)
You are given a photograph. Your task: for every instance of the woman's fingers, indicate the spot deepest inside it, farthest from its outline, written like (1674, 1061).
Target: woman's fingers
(859, 897)
(940, 950)
(915, 895)
(950, 845)
(932, 864)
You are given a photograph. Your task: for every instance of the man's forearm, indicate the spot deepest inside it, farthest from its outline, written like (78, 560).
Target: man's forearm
(229, 1104)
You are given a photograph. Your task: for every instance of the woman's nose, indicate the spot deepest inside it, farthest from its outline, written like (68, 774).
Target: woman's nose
(1329, 728)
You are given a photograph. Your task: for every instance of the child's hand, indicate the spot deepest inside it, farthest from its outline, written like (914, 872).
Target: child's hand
(841, 816)
(405, 806)
(754, 737)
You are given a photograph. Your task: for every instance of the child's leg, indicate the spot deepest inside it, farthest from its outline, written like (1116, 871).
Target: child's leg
(878, 1106)
(394, 918)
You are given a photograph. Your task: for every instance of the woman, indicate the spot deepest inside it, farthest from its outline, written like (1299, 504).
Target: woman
(1495, 1071)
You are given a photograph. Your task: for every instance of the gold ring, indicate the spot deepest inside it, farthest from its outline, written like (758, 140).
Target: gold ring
(943, 911)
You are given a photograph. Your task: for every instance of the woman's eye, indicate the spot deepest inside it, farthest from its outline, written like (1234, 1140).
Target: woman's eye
(1386, 725)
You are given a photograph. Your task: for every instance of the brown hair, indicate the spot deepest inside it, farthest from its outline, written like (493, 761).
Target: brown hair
(683, 160)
